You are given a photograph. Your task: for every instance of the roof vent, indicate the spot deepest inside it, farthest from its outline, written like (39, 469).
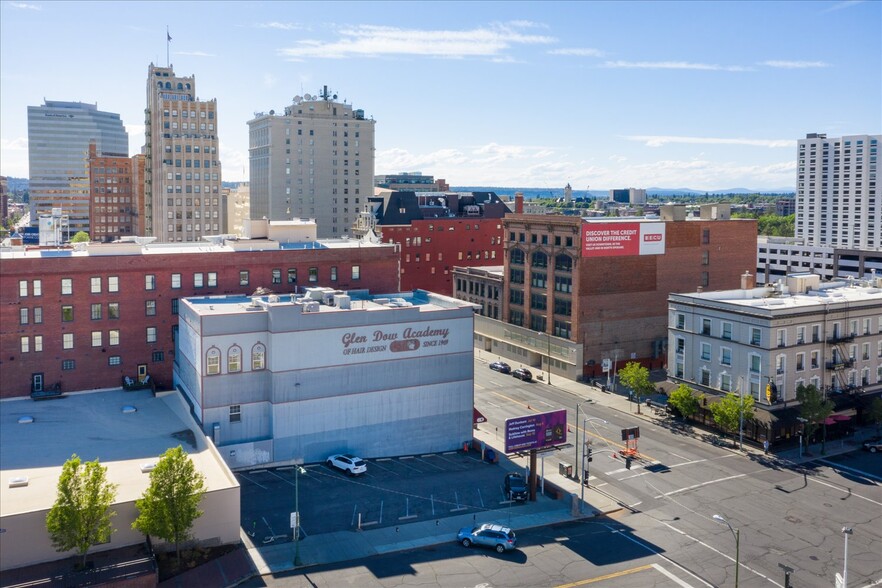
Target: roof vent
(148, 467)
(18, 482)
(25, 420)
(128, 409)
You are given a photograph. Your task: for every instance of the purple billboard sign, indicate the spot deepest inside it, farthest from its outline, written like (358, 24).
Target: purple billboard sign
(536, 431)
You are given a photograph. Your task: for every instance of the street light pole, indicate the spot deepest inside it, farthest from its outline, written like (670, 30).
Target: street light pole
(846, 531)
(548, 337)
(737, 534)
(584, 482)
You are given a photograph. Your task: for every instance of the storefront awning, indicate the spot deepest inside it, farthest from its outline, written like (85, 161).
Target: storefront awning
(477, 417)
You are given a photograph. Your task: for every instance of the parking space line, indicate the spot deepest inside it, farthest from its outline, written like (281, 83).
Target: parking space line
(252, 472)
(385, 469)
(450, 453)
(408, 466)
(253, 482)
(405, 457)
(284, 468)
(282, 479)
(428, 463)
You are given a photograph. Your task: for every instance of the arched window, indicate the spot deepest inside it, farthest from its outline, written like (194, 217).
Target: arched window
(188, 86)
(212, 361)
(517, 256)
(180, 86)
(258, 357)
(234, 359)
(159, 84)
(168, 85)
(563, 262)
(540, 259)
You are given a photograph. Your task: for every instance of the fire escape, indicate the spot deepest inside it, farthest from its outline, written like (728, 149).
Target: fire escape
(841, 361)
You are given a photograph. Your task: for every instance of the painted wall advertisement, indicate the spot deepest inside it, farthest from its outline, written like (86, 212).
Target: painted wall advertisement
(622, 238)
(536, 431)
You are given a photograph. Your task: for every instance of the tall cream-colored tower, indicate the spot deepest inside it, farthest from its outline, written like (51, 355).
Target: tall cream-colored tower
(182, 195)
(314, 161)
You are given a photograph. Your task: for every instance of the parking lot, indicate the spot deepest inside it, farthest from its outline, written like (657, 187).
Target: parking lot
(393, 491)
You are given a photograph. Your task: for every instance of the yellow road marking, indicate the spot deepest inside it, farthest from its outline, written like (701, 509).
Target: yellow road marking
(606, 577)
(583, 429)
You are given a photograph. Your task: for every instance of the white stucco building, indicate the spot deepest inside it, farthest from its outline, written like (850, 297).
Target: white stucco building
(279, 379)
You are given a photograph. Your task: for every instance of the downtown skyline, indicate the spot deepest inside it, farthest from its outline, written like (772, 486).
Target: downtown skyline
(707, 96)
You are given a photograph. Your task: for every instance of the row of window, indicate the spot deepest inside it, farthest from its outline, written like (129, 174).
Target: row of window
(67, 340)
(562, 262)
(856, 327)
(113, 360)
(540, 239)
(837, 361)
(234, 359)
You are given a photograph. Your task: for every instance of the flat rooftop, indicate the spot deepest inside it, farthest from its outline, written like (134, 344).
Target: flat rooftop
(94, 425)
(836, 292)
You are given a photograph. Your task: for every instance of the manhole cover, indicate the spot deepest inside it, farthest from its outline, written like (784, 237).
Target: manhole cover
(793, 520)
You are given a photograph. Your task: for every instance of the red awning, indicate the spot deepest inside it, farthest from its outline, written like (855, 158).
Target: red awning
(477, 417)
(841, 417)
(829, 421)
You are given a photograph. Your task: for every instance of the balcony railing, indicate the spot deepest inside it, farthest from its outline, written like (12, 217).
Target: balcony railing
(840, 364)
(840, 339)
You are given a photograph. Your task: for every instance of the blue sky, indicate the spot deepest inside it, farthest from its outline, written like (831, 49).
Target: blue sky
(706, 95)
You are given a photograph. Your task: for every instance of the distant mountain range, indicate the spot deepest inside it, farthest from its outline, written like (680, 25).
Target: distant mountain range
(531, 193)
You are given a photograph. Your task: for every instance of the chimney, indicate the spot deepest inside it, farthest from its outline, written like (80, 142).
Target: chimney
(519, 202)
(748, 281)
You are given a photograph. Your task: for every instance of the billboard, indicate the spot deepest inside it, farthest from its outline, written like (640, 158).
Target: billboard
(536, 431)
(622, 238)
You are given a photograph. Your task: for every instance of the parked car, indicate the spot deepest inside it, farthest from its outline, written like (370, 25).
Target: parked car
(501, 367)
(523, 374)
(488, 535)
(873, 444)
(348, 463)
(515, 486)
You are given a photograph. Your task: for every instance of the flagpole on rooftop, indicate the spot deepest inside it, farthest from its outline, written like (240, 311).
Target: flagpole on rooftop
(167, 44)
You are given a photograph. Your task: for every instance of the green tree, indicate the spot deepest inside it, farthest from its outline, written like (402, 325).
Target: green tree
(636, 377)
(80, 237)
(731, 410)
(685, 400)
(814, 408)
(874, 413)
(81, 514)
(170, 504)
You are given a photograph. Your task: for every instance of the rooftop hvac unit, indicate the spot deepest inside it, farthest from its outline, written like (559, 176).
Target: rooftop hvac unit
(311, 306)
(273, 298)
(342, 301)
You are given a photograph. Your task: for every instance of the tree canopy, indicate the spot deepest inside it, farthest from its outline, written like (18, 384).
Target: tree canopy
(728, 411)
(170, 504)
(684, 400)
(636, 377)
(813, 407)
(81, 514)
(80, 237)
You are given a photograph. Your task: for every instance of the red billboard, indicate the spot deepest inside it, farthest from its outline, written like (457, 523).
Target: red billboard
(536, 431)
(609, 239)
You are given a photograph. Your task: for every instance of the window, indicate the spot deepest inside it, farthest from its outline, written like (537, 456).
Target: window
(150, 307)
(539, 259)
(38, 287)
(313, 274)
(114, 360)
(67, 314)
(725, 356)
(212, 361)
(727, 331)
(234, 359)
(704, 376)
(96, 311)
(292, 275)
(681, 321)
(151, 334)
(356, 272)
(158, 356)
(38, 315)
(705, 326)
(725, 382)
(800, 335)
(516, 256)
(243, 277)
(865, 351)
(755, 336)
(198, 280)
(780, 364)
(113, 310)
(176, 281)
(150, 282)
(23, 316)
(25, 344)
(113, 283)
(334, 272)
(212, 279)
(705, 351)
(174, 306)
(67, 341)
(782, 338)
(95, 285)
(258, 357)
(815, 360)
(235, 413)
(755, 365)
(113, 336)
(23, 288)
(68, 364)
(66, 286)
(38, 343)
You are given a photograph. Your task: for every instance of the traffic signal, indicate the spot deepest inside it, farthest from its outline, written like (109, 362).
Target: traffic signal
(589, 454)
(627, 463)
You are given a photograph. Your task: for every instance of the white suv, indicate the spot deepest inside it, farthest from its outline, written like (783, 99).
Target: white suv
(348, 463)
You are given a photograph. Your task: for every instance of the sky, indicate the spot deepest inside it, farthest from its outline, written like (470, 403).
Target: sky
(600, 95)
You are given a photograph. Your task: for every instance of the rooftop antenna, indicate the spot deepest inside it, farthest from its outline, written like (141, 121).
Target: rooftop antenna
(167, 44)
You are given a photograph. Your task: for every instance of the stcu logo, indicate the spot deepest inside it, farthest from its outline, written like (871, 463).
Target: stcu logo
(652, 237)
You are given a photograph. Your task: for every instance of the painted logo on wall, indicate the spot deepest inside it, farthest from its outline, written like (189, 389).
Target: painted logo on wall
(622, 238)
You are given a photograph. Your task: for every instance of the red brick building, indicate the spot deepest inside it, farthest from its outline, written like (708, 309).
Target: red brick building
(582, 291)
(437, 231)
(111, 196)
(85, 318)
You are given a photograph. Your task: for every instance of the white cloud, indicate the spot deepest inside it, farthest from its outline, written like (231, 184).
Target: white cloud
(374, 41)
(195, 53)
(235, 163)
(578, 52)
(674, 65)
(795, 64)
(661, 140)
(14, 157)
(25, 6)
(281, 26)
(618, 158)
(269, 80)
(17, 144)
(841, 5)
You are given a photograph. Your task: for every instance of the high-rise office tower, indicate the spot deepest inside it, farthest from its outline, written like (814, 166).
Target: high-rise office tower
(59, 134)
(182, 169)
(837, 191)
(314, 161)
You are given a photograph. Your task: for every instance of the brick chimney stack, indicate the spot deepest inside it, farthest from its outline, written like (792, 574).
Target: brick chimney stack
(748, 281)
(519, 202)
